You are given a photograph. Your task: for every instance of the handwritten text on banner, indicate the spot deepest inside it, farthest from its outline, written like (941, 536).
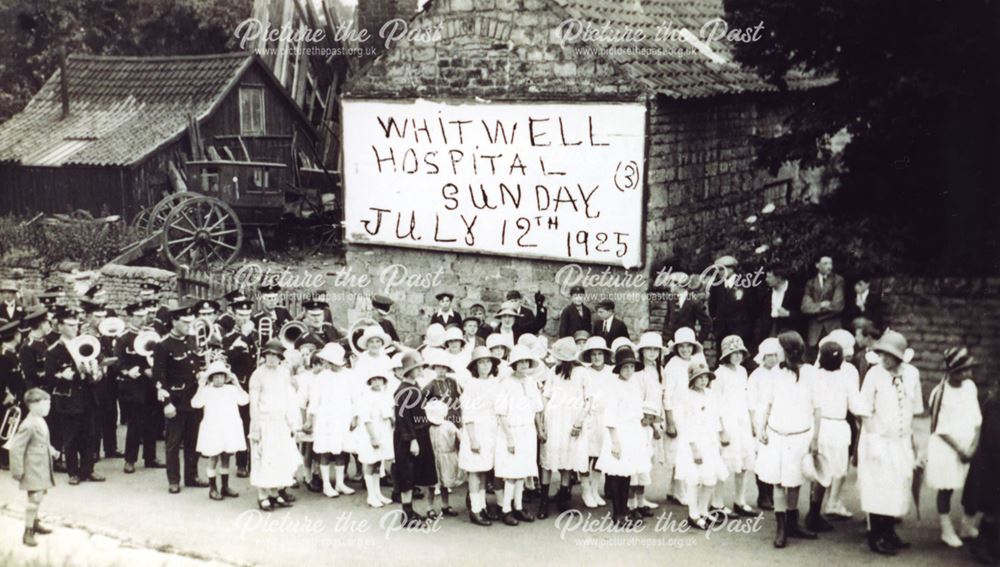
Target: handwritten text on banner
(561, 181)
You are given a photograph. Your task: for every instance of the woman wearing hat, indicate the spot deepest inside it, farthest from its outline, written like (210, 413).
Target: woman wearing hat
(597, 376)
(836, 385)
(220, 433)
(456, 353)
(330, 411)
(623, 451)
(792, 424)
(477, 441)
(652, 353)
(955, 424)
(411, 439)
(274, 418)
(565, 448)
(685, 348)
(699, 444)
(500, 347)
(372, 360)
(890, 397)
(516, 454)
(740, 451)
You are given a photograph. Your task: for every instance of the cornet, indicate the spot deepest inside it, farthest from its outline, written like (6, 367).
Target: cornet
(11, 419)
(111, 327)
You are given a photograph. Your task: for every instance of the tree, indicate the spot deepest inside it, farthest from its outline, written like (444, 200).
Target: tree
(34, 35)
(917, 90)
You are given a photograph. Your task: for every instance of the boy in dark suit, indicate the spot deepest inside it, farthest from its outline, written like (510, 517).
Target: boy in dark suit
(528, 321)
(576, 316)
(445, 315)
(864, 302)
(778, 305)
(684, 309)
(607, 325)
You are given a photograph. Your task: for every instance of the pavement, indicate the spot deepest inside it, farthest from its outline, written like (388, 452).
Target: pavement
(133, 520)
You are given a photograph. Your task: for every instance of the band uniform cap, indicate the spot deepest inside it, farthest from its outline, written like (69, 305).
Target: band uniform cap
(442, 294)
(244, 305)
(313, 306)
(133, 308)
(234, 296)
(208, 305)
(149, 287)
(9, 330)
(269, 289)
(576, 290)
(34, 316)
(381, 302)
(90, 306)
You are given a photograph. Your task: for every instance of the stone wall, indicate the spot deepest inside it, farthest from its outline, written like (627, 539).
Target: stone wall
(935, 314)
(120, 282)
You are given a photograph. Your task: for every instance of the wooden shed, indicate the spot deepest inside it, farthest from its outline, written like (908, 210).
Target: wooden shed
(115, 134)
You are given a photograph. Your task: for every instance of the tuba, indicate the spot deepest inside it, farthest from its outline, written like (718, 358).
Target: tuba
(291, 332)
(111, 327)
(85, 349)
(11, 419)
(145, 342)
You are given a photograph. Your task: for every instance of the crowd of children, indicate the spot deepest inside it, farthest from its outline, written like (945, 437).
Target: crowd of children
(509, 414)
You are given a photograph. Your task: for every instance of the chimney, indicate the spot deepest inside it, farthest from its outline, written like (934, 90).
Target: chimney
(373, 14)
(64, 86)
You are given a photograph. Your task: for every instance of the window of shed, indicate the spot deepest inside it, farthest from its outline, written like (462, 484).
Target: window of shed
(251, 110)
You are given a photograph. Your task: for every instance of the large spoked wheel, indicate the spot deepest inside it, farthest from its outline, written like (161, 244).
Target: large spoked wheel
(141, 221)
(201, 230)
(158, 215)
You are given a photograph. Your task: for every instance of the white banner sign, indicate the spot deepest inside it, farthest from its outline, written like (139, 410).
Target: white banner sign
(557, 181)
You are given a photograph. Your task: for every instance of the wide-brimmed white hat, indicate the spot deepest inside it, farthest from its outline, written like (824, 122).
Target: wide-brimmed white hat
(218, 367)
(816, 469)
(509, 308)
(521, 352)
(621, 342)
(453, 334)
(481, 353)
(373, 332)
(649, 339)
(332, 353)
(499, 339)
(769, 346)
(592, 344)
(564, 350)
(434, 335)
(842, 337)
(437, 357)
(685, 336)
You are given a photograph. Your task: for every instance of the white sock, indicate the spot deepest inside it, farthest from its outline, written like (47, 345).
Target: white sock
(518, 494)
(508, 495)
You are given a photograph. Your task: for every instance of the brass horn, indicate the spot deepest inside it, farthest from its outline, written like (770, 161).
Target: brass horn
(11, 419)
(85, 348)
(265, 331)
(291, 332)
(111, 327)
(201, 328)
(357, 330)
(145, 342)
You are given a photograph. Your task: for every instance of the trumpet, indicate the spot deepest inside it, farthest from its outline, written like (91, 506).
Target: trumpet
(111, 327)
(11, 420)
(291, 332)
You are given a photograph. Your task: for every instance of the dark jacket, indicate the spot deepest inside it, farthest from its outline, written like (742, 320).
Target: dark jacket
(32, 358)
(531, 322)
(732, 310)
(874, 309)
(618, 329)
(820, 321)
(571, 321)
(175, 368)
(132, 390)
(767, 326)
(692, 311)
(453, 319)
(70, 396)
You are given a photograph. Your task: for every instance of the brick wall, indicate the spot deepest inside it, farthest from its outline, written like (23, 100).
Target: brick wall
(935, 314)
(372, 14)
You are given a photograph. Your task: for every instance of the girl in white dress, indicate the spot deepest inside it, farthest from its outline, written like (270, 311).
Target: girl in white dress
(374, 437)
(500, 347)
(477, 440)
(836, 385)
(274, 419)
(700, 437)
(675, 382)
(623, 450)
(597, 376)
(831, 443)
(769, 355)
(306, 346)
(890, 396)
(565, 448)
(731, 388)
(220, 433)
(650, 378)
(331, 411)
(454, 344)
(791, 428)
(955, 424)
(516, 457)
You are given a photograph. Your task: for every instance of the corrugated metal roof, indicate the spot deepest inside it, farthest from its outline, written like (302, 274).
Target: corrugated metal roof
(121, 108)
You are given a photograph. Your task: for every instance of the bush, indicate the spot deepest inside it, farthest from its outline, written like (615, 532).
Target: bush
(43, 244)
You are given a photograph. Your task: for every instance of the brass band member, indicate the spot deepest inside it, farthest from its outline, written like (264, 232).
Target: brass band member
(270, 308)
(175, 372)
(317, 326)
(72, 400)
(239, 342)
(381, 306)
(31, 353)
(11, 380)
(136, 392)
(105, 390)
(50, 300)
(226, 319)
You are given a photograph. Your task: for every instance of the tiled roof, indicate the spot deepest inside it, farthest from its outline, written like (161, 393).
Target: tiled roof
(121, 108)
(680, 68)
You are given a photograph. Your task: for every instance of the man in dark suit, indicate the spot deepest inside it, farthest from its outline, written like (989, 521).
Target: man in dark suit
(730, 303)
(822, 303)
(684, 309)
(778, 305)
(607, 325)
(381, 306)
(529, 321)
(575, 316)
(864, 303)
(9, 309)
(445, 315)
(278, 314)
